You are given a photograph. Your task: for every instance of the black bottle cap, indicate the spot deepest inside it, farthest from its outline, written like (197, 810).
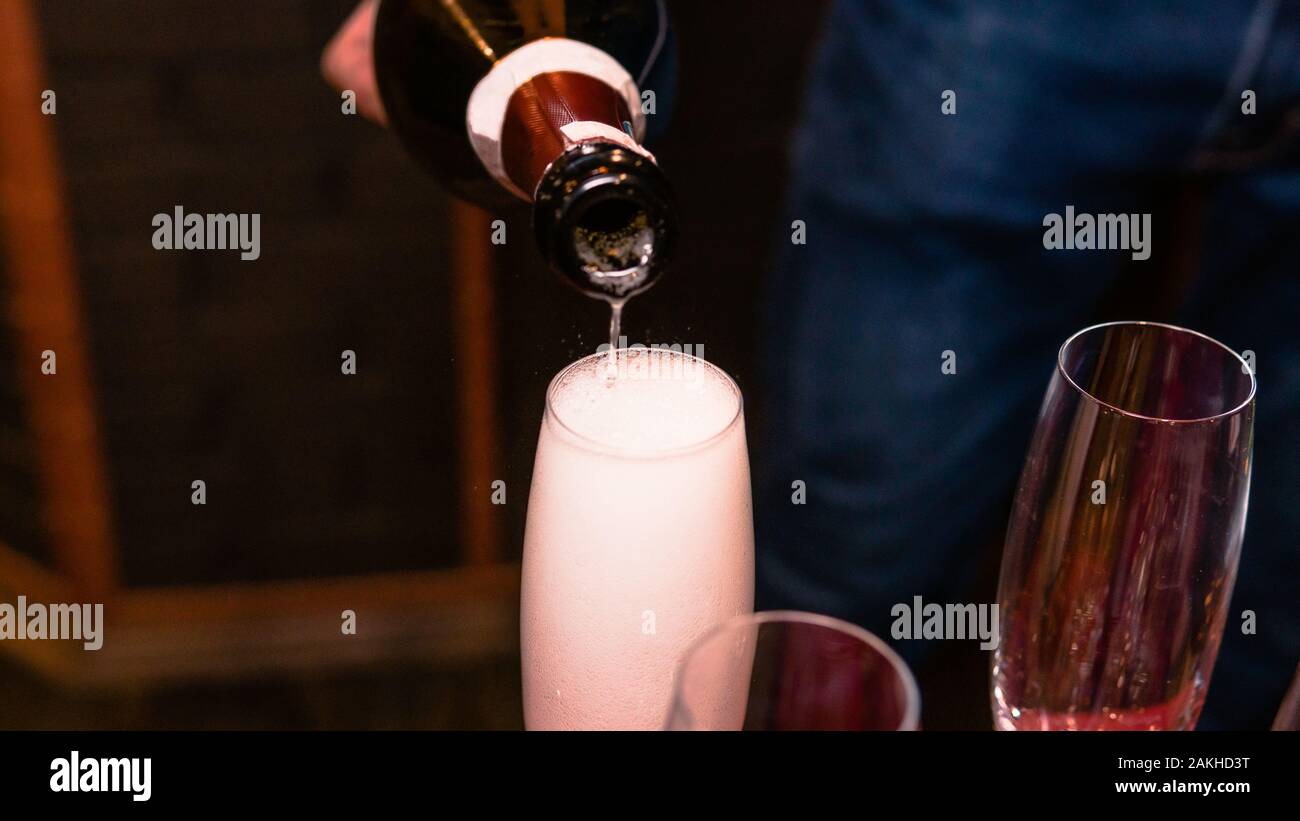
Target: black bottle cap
(605, 219)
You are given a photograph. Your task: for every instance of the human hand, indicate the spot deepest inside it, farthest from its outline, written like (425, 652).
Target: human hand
(348, 63)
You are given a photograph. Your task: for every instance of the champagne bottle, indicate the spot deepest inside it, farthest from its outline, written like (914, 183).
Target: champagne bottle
(547, 93)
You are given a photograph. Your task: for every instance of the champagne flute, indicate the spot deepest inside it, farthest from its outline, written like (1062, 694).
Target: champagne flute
(1288, 715)
(639, 535)
(785, 670)
(1122, 548)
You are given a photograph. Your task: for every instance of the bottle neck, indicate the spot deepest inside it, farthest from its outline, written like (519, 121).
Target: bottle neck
(567, 139)
(553, 112)
(542, 99)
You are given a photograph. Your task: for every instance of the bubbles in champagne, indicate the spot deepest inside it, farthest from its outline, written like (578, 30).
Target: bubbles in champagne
(639, 536)
(658, 400)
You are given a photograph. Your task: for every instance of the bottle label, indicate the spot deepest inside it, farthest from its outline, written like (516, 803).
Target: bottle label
(543, 98)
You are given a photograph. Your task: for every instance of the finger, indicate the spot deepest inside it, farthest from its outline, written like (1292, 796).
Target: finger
(347, 62)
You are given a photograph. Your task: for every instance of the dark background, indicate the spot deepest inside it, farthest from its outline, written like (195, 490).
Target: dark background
(210, 367)
(216, 368)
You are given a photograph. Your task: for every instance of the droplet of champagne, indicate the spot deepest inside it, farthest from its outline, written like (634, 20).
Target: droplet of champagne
(615, 325)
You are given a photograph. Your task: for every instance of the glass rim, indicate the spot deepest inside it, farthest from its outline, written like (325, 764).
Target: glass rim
(911, 712)
(596, 445)
(1245, 403)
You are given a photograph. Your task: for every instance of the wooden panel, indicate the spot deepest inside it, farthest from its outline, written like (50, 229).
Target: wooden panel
(215, 368)
(20, 575)
(237, 631)
(228, 632)
(45, 312)
(476, 374)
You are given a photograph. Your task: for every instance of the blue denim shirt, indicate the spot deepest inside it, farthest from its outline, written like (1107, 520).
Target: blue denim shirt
(924, 234)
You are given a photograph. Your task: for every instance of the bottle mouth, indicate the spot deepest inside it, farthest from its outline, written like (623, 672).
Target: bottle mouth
(614, 243)
(604, 219)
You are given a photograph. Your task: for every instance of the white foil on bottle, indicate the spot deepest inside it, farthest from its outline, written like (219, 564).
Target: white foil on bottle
(485, 113)
(583, 131)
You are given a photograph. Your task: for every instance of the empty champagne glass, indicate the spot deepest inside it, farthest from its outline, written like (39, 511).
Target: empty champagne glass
(785, 670)
(1122, 548)
(639, 535)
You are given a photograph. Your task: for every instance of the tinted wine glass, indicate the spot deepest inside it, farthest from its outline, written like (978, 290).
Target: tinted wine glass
(1122, 548)
(784, 670)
